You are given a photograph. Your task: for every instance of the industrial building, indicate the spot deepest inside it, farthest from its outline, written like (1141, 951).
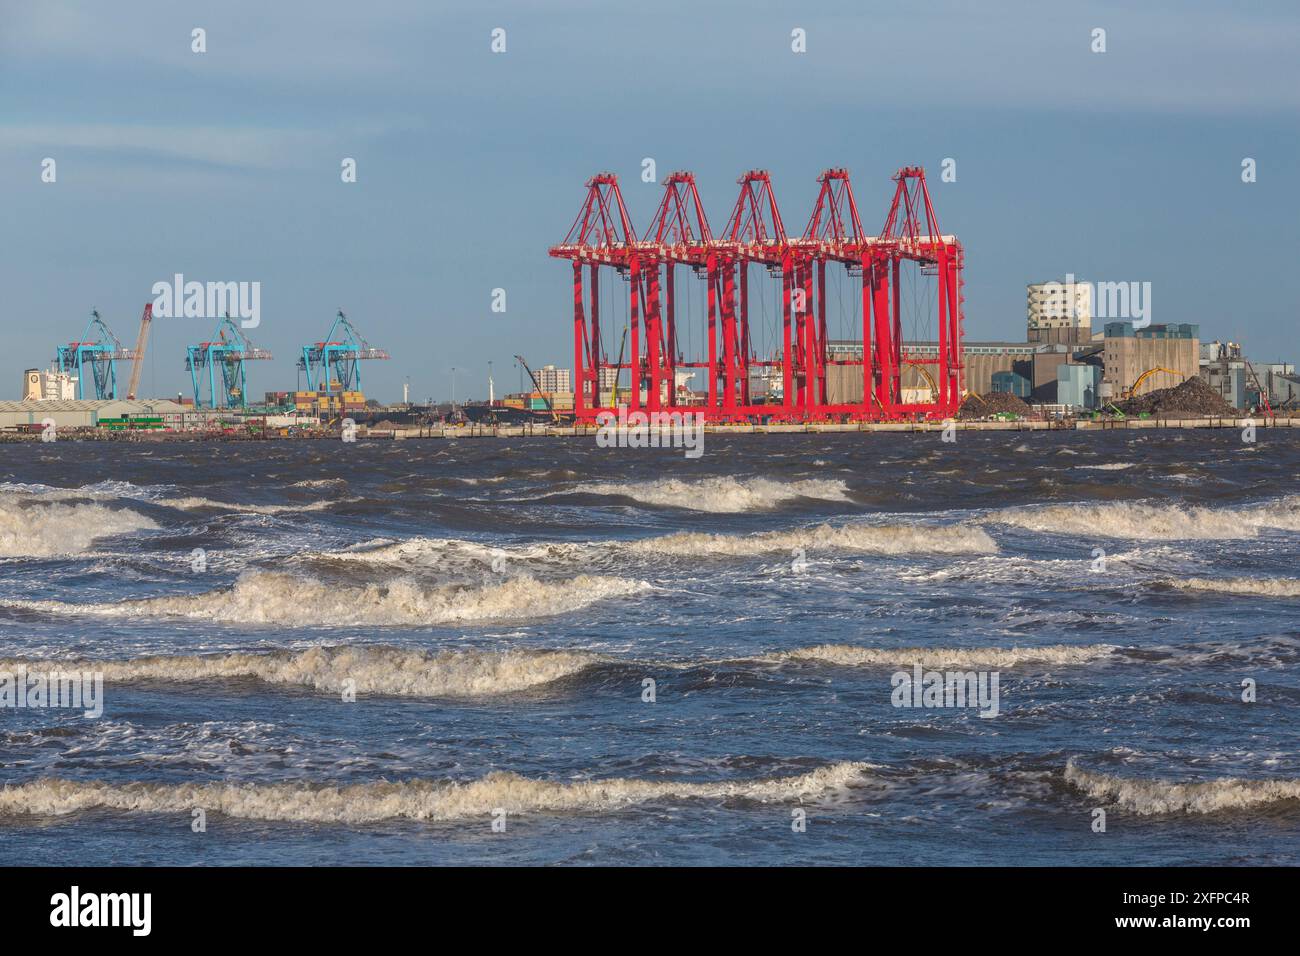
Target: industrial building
(1078, 385)
(981, 361)
(87, 413)
(1139, 360)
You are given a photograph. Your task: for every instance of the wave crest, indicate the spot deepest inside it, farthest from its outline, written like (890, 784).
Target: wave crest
(876, 539)
(390, 671)
(50, 530)
(411, 800)
(266, 597)
(1154, 522)
(845, 655)
(1268, 587)
(720, 494)
(1151, 797)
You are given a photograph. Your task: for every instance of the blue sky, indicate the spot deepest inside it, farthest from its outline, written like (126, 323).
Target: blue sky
(1122, 166)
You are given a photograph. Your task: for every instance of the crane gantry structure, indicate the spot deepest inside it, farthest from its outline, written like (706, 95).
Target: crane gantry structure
(331, 364)
(93, 358)
(216, 367)
(602, 237)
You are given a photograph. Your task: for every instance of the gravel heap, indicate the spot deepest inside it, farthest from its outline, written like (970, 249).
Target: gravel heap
(1192, 398)
(986, 406)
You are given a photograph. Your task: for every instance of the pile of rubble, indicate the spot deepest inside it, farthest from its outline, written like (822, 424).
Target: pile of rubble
(991, 404)
(1193, 398)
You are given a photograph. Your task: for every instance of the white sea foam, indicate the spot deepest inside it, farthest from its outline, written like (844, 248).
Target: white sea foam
(455, 552)
(977, 658)
(1148, 797)
(193, 503)
(721, 495)
(1255, 587)
(265, 597)
(876, 539)
(40, 530)
(414, 799)
(891, 539)
(110, 490)
(1154, 522)
(1109, 466)
(391, 671)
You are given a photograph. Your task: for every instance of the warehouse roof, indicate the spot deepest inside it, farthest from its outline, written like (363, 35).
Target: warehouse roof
(122, 405)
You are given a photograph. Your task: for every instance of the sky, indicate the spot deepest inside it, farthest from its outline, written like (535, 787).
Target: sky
(225, 165)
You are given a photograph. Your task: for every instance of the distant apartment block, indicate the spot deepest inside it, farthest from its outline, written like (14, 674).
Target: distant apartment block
(552, 379)
(1059, 312)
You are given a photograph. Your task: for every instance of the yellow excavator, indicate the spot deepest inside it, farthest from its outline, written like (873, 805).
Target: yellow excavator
(1133, 389)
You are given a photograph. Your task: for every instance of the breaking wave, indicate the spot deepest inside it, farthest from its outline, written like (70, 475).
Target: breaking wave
(845, 655)
(1262, 587)
(414, 799)
(49, 530)
(719, 495)
(265, 597)
(878, 539)
(454, 552)
(388, 671)
(1154, 522)
(1150, 797)
(192, 503)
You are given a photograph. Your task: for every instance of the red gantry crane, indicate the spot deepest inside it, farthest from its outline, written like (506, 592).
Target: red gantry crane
(603, 236)
(679, 234)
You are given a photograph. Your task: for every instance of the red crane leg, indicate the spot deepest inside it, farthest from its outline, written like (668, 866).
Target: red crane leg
(896, 343)
(729, 336)
(594, 343)
(713, 331)
(809, 340)
(744, 332)
(671, 363)
(820, 351)
(634, 311)
(954, 335)
(579, 323)
(653, 338)
(787, 355)
(867, 346)
(883, 347)
(944, 359)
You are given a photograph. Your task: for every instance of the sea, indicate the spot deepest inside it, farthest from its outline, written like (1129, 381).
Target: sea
(1057, 648)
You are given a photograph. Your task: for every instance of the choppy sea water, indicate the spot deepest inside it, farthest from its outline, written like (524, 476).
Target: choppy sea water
(499, 605)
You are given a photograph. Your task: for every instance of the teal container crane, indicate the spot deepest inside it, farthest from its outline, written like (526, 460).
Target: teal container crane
(217, 367)
(93, 358)
(331, 364)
